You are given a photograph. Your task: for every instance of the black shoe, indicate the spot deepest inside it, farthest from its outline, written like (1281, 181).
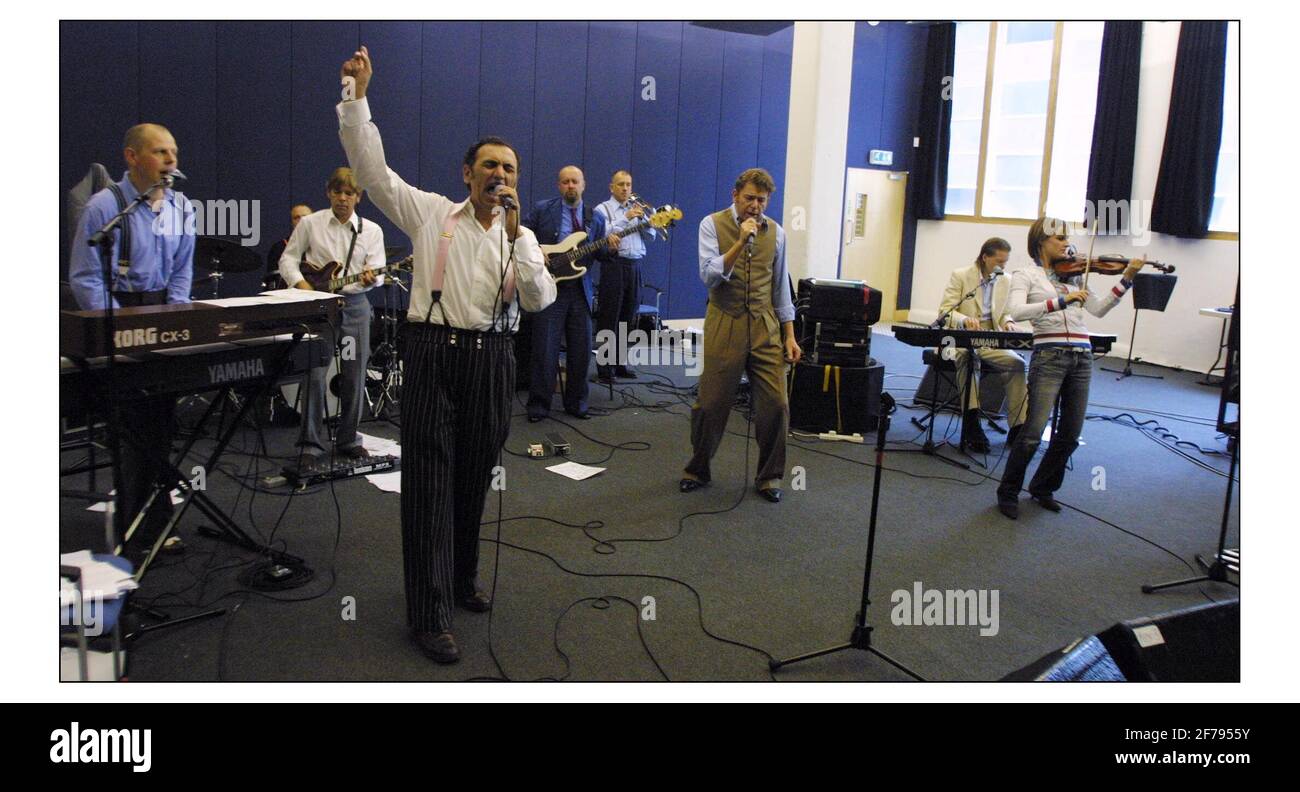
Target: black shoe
(972, 435)
(1009, 509)
(535, 418)
(690, 484)
(625, 372)
(476, 602)
(1047, 502)
(581, 416)
(772, 494)
(438, 647)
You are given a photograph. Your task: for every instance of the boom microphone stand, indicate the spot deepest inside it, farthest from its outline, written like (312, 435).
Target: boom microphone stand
(861, 637)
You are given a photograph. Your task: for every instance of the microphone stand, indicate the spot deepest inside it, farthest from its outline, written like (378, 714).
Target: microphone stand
(103, 241)
(861, 635)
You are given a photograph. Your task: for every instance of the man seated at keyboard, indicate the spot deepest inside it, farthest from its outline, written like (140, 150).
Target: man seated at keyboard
(977, 298)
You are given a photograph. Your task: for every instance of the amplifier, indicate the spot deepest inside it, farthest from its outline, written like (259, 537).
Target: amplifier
(842, 399)
(838, 343)
(839, 300)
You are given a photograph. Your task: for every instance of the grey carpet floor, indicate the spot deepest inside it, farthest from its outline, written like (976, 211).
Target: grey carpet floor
(733, 579)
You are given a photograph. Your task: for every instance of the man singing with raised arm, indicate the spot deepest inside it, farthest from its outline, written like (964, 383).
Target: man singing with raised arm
(457, 355)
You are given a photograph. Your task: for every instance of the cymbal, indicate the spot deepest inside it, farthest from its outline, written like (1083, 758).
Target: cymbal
(215, 254)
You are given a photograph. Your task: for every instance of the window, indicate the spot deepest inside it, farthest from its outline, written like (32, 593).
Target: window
(971, 58)
(1024, 97)
(1224, 211)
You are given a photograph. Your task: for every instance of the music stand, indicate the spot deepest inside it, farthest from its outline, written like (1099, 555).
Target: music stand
(1150, 292)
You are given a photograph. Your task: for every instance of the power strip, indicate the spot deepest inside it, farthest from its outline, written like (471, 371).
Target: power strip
(853, 438)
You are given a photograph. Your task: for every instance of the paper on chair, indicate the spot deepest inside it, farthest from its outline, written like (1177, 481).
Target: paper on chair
(575, 471)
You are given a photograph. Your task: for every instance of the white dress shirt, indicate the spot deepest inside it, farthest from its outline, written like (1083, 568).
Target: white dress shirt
(476, 263)
(322, 239)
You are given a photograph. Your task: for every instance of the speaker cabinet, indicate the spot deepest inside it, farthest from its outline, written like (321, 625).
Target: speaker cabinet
(842, 399)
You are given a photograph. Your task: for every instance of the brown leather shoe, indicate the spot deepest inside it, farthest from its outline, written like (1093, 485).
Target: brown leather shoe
(438, 647)
(476, 602)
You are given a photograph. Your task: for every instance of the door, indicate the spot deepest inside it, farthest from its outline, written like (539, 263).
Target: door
(872, 240)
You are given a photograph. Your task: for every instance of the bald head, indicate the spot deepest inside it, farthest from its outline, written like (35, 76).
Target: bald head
(138, 136)
(149, 151)
(571, 184)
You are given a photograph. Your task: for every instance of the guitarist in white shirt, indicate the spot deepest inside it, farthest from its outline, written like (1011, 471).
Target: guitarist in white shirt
(338, 235)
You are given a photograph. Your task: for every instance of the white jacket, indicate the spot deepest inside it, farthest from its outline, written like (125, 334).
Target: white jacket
(1040, 298)
(967, 279)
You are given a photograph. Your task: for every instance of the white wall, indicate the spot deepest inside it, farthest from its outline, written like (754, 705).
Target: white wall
(1207, 269)
(820, 77)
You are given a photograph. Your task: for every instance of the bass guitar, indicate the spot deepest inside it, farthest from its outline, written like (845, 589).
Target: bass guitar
(562, 258)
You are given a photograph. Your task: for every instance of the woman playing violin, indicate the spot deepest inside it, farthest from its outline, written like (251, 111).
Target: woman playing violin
(1061, 363)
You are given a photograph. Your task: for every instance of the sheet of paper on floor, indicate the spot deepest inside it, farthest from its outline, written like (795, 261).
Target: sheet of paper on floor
(575, 471)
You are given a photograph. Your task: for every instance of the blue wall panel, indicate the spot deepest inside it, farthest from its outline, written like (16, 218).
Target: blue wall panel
(99, 99)
(742, 91)
(612, 89)
(449, 105)
(654, 137)
(186, 100)
(506, 90)
(254, 148)
(317, 50)
(396, 50)
(559, 107)
(698, 137)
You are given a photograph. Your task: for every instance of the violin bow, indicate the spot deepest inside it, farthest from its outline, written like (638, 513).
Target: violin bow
(1087, 265)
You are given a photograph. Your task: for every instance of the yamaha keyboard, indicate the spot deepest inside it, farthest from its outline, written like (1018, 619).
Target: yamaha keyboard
(189, 370)
(982, 339)
(151, 328)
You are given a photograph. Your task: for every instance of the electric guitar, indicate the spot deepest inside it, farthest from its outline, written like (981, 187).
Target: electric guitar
(562, 258)
(327, 277)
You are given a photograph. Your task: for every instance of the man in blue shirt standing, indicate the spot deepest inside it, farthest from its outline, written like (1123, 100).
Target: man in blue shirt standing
(553, 220)
(620, 277)
(155, 267)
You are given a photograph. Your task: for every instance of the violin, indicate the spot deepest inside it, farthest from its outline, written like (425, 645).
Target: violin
(1107, 264)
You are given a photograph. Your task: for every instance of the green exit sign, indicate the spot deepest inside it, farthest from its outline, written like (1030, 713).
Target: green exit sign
(879, 157)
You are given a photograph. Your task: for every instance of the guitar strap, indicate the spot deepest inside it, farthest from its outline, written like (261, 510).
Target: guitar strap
(356, 230)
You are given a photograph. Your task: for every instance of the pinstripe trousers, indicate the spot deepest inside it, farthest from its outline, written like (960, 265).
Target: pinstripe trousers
(456, 401)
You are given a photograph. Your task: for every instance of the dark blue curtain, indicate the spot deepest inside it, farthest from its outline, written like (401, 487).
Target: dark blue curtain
(930, 182)
(1114, 132)
(1185, 187)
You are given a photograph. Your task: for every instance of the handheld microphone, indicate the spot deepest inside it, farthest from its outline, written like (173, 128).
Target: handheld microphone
(762, 226)
(506, 201)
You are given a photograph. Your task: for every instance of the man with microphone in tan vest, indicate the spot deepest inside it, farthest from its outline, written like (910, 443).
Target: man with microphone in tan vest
(749, 327)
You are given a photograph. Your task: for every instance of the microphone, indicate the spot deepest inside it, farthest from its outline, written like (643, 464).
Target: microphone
(762, 226)
(171, 177)
(506, 201)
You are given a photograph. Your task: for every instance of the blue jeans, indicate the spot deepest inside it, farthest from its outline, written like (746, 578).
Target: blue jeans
(1053, 372)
